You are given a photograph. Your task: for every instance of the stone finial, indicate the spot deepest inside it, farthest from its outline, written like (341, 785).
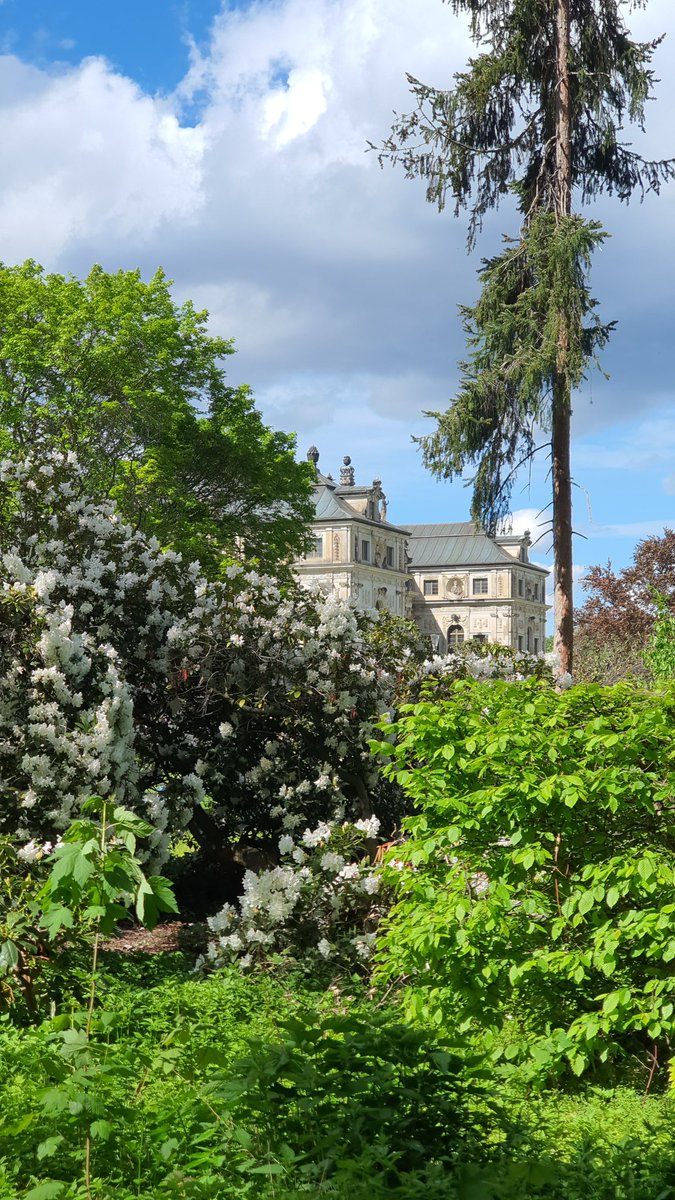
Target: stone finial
(313, 455)
(347, 472)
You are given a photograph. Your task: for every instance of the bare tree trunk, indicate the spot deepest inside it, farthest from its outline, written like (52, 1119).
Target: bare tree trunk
(562, 401)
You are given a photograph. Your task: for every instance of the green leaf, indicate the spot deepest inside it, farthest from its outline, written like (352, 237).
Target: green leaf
(162, 890)
(49, 1146)
(243, 1137)
(55, 918)
(613, 897)
(51, 1189)
(66, 855)
(645, 868)
(53, 1101)
(101, 1130)
(9, 957)
(578, 1062)
(586, 903)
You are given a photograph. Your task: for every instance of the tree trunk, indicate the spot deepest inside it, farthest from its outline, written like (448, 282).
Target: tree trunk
(562, 403)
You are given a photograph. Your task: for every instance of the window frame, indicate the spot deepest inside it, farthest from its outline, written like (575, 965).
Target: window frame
(480, 591)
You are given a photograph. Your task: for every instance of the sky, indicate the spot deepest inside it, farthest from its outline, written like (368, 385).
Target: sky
(226, 141)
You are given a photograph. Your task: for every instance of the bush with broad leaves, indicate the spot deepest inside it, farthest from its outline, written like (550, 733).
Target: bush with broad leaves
(537, 901)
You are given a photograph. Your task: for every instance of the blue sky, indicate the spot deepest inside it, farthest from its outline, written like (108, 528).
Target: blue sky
(146, 39)
(226, 143)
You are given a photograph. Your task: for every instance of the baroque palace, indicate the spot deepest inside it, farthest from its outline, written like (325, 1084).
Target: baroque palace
(456, 582)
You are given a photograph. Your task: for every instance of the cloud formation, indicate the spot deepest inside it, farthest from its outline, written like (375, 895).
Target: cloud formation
(251, 185)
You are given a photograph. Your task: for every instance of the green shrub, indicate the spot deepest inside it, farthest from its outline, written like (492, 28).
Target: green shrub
(660, 652)
(359, 1097)
(538, 900)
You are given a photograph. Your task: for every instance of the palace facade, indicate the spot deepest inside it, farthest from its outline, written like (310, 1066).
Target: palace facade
(457, 583)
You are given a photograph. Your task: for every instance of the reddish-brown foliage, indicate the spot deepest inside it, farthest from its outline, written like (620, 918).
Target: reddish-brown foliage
(621, 604)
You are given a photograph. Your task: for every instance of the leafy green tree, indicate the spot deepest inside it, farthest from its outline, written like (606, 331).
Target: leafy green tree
(537, 113)
(114, 369)
(536, 886)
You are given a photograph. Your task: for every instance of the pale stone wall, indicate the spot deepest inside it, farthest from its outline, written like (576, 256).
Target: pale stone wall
(498, 615)
(345, 567)
(359, 555)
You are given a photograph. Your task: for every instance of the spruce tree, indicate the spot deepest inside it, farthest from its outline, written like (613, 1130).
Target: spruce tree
(539, 112)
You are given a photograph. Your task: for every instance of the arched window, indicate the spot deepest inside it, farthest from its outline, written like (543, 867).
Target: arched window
(455, 636)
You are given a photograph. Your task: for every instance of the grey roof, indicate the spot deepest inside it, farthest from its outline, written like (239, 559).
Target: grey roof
(329, 507)
(461, 544)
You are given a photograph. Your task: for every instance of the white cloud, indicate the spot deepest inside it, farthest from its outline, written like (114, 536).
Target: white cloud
(336, 279)
(85, 153)
(532, 520)
(630, 529)
(290, 111)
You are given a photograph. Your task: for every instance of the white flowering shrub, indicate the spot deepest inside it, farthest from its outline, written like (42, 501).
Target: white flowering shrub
(322, 903)
(486, 661)
(123, 671)
(290, 689)
(86, 608)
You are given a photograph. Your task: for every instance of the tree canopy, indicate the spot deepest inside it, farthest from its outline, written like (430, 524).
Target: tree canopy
(621, 605)
(112, 368)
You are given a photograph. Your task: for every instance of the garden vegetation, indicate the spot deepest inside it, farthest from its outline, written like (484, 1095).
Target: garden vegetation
(436, 960)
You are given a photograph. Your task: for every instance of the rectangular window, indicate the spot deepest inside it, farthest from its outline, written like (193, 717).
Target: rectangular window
(536, 645)
(520, 588)
(365, 551)
(390, 556)
(520, 641)
(536, 591)
(315, 548)
(430, 587)
(480, 587)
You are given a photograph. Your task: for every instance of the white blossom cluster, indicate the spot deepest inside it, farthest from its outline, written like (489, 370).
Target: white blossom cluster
(325, 898)
(123, 671)
(495, 662)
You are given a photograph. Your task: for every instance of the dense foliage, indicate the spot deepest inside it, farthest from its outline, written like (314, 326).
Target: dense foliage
(123, 671)
(621, 605)
(113, 369)
(539, 897)
(244, 1086)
